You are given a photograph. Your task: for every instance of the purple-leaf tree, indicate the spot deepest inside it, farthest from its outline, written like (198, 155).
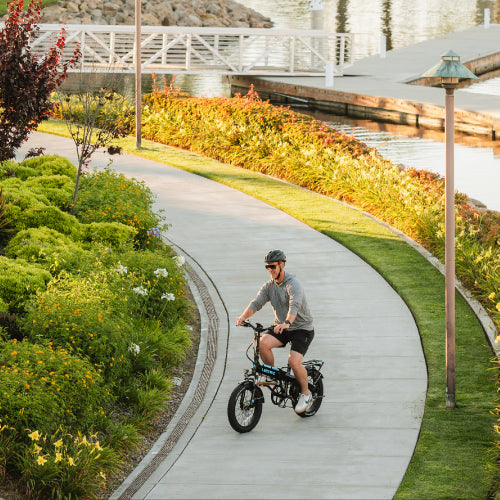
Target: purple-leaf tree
(27, 79)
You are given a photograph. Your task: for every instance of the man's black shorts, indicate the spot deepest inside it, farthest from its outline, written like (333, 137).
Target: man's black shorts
(299, 339)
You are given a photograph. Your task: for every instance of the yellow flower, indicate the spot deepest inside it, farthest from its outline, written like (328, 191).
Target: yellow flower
(71, 461)
(35, 436)
(41, 460)
(498, 306)
(59, 443)
(58, 457)
(37, 449)
(491, 296)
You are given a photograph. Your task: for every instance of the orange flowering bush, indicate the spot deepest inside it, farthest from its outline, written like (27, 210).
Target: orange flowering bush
(46, 387)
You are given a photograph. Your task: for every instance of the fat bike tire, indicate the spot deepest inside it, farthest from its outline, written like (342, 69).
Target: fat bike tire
(316, 389)
(244, 407)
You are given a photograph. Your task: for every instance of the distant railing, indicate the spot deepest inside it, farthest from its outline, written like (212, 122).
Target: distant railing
(176, 49)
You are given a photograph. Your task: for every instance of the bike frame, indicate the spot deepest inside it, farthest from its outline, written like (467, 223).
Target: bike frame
(283, 376)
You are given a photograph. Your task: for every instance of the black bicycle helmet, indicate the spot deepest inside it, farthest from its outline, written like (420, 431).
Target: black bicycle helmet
(275, 256)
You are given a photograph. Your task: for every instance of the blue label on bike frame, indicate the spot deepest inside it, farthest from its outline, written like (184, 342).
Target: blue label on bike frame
(270, 370)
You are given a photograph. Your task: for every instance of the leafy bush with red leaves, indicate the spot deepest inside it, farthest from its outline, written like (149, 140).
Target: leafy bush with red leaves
(27, 79)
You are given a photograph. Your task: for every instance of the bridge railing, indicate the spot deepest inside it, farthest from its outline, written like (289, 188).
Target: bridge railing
(176, 49)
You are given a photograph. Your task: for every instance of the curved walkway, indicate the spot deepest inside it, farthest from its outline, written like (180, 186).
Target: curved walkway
(359, 444)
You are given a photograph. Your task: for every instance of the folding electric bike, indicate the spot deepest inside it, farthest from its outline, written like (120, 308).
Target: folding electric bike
(244, 408)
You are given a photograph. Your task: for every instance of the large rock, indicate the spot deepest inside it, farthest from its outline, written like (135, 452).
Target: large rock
(213, 13)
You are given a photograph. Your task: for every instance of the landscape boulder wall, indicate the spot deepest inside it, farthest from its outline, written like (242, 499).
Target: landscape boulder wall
(206, 13)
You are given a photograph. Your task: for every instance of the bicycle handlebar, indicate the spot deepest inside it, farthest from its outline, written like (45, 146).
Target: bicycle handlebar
(257, 327)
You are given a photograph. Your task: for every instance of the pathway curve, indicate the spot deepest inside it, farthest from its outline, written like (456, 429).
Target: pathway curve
(359, 444)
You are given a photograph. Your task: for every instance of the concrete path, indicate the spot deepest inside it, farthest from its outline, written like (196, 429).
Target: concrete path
(359, 444)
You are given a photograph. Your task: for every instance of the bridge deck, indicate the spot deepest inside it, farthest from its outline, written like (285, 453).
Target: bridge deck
(167, 49)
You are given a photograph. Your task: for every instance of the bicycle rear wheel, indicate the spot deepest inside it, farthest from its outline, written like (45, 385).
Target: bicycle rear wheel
(244, 407)
(316, 389)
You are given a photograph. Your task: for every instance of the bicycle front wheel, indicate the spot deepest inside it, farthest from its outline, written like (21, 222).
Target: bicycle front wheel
(244, 408)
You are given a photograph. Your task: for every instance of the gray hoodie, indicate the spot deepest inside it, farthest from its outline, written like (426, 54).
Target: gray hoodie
(285, 297)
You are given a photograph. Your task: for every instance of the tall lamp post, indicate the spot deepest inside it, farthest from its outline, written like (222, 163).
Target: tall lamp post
(138, 75)
(450, 70)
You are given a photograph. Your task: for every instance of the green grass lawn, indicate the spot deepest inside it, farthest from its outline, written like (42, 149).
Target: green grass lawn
(452, 455)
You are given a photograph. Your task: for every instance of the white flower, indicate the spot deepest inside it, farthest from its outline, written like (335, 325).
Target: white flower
(168, 296)
(180, 260)
(140, 290)
(161, 272)
(121, 269)
(134, 348)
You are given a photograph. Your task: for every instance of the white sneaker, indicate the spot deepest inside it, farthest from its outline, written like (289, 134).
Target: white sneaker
(303, 402)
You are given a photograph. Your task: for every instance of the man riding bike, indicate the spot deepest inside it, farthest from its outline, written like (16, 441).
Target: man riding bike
(293, 321)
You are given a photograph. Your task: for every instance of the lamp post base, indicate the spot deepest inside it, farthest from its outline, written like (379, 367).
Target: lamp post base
(450, 401)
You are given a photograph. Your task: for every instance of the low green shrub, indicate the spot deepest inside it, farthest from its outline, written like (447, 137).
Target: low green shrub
(19, 281)
(6, 222)
(51, 217)
(112, 234)
(110, 315)
(23, 173)
(44, 387)
(58, 189)
(22, 198)
(7, 168)
(53, 250)
(111, 197)
(48, 165)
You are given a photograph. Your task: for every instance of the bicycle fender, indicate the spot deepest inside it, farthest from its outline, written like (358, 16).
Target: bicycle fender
(315, 373)
(258, 391)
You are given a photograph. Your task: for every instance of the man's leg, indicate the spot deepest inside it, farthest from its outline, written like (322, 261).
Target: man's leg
(267, 344)
(295, 362)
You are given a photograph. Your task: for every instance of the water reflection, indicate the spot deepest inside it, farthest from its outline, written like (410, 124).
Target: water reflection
(402, 22)
(387, 23)
(477, 168)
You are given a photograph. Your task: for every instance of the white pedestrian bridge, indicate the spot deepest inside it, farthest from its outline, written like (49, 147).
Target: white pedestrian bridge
(178, 49)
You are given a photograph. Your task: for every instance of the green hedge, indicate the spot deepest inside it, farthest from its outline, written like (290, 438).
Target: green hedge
(19, 281)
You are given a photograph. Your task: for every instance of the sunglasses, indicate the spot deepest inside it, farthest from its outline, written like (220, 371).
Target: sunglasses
(271, 266)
